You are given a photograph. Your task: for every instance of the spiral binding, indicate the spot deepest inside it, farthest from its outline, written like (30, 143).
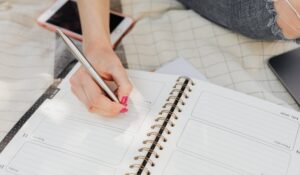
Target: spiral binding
(166, 118)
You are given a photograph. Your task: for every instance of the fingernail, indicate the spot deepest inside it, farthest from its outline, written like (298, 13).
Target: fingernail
(124, 100)
(124, 110)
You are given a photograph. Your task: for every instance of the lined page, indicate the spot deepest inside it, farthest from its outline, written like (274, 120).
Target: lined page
(233, 150)
(49, 161)
(100, 143)
(196, 166)
(246, 120)
(62, 129)
(26, 60)
(224, 132)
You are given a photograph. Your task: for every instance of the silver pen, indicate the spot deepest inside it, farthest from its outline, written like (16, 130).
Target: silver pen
(84, 61)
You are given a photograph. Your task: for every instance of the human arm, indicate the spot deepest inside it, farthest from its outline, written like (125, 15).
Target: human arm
(94, 17)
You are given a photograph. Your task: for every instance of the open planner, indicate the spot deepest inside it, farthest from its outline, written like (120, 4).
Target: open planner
(175, 125)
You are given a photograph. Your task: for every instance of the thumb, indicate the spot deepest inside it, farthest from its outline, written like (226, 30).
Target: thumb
(124, 85)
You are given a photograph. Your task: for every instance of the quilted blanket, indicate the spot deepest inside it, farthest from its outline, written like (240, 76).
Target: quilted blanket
(164, 30)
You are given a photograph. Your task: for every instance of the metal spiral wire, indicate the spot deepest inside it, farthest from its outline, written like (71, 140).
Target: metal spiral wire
(161, 128)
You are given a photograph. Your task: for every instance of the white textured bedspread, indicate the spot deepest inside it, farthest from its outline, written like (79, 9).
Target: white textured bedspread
(26, 59)
(164, 31)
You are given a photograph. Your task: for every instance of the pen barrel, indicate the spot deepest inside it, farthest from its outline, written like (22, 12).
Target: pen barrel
(85, 62)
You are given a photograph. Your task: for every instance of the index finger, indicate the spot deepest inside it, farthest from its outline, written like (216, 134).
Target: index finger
(120, 76)
(98, 102)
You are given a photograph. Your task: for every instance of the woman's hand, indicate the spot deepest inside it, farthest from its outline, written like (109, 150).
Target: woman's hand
(94, 17)
(109, 68)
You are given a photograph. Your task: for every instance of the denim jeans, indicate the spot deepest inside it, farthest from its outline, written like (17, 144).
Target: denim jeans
(252, 18)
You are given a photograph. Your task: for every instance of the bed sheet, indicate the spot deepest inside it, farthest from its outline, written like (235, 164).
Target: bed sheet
(164, 30)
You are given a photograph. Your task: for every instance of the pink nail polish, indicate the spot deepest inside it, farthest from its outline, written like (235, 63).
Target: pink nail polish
(124, 100)
(124, 110)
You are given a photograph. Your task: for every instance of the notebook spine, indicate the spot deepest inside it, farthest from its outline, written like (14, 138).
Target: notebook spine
(160, 129)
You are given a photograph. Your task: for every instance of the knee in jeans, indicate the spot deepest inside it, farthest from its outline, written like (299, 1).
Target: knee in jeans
(287, 19)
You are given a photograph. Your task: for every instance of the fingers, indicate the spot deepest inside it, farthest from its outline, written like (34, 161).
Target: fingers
(120, 76)
(88, 92)
(78, 91)
(98, 102)
(110, 68)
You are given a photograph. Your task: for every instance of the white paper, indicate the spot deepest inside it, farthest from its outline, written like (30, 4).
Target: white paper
(182, 67)
(218, 131)
(62, 131)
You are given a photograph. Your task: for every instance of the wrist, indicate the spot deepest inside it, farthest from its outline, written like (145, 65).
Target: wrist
(96, 44)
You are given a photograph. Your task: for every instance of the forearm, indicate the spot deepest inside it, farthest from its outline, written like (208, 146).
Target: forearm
(94, 17)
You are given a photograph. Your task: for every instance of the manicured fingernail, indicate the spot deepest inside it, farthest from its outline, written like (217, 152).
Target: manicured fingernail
(124, 110)
(124, 100)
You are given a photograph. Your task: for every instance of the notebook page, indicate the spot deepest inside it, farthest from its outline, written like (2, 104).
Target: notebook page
(64, 138)
(226, 132)
(26, 60)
